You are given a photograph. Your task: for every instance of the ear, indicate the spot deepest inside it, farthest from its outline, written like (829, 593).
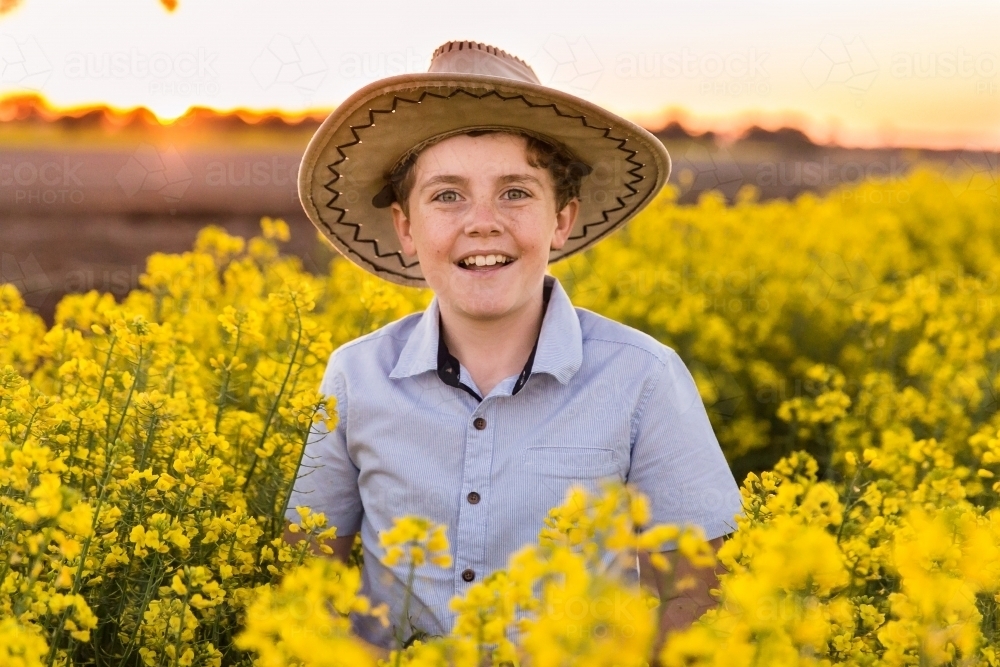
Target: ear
(565, 219)
(403, 227)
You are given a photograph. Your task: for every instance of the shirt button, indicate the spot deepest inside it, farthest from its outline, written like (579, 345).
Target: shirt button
(473, 497)
(479, 423)
(468, 575)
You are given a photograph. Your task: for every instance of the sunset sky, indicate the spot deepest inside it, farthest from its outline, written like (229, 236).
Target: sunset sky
(856, 72)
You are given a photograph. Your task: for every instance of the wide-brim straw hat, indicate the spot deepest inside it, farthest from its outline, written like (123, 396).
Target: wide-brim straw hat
(344, 175)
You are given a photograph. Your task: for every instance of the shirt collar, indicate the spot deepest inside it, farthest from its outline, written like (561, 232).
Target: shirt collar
(558, 349)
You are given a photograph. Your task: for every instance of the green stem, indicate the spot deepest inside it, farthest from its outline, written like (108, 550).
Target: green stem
(849, 502)
(19, 607)
(128, 399)
(55, 640)
(291, 485)
(180, 627)
(405, 620)
(224, 388)
(83, 561)
(149, 442)
(107, 368)
(72, 452)
(277, 400)
(147, 596)
(27, 429)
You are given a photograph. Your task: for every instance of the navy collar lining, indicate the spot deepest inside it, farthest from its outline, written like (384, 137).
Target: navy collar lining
(449, 369)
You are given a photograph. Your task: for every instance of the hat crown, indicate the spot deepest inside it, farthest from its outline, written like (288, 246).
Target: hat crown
(477, 58)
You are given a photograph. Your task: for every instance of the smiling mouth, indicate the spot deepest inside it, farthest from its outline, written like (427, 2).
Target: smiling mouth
(482, 262)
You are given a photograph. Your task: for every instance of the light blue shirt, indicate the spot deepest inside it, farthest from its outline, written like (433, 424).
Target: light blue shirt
(602, 400)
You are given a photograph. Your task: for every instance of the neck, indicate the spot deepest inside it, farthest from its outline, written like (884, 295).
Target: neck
(492, 350)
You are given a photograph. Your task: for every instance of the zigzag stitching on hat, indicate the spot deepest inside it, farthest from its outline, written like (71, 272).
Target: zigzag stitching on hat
(343, 211)
(396, 99)
(585, 229)
(621, 202)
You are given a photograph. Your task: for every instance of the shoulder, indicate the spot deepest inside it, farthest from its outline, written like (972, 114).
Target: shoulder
(378, 349)
(664, 385)
(655, 365)
(600, 331)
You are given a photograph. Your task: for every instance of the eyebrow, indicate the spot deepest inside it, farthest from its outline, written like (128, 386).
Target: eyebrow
(519, 178)
(453, 179)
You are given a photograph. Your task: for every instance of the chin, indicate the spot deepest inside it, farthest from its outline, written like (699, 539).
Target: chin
(480, 297)
(484, 307)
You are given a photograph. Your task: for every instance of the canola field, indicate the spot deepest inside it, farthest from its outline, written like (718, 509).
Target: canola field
(847, 348)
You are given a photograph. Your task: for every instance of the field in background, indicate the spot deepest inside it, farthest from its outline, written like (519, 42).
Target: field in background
(84, 200)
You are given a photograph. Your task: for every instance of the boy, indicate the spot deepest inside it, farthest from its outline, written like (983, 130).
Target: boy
(481, 411)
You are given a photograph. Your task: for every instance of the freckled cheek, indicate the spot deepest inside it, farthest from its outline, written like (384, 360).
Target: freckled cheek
(440, 258)
(531, 243)
(436, 244)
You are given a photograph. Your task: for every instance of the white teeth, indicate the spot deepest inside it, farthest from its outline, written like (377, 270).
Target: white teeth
(485, 260)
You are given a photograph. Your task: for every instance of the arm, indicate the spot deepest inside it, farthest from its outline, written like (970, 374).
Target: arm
(342, 550)
(678, 464)
(327, 479)
(341, 545)
(679, 609)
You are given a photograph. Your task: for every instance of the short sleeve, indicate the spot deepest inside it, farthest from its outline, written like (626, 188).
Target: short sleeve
(327, 479)
(676, 459)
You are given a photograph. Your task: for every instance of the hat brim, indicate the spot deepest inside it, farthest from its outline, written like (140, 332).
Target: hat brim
(350, 156)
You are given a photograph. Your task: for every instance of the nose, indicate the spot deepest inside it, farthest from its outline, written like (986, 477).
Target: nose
(483, 219)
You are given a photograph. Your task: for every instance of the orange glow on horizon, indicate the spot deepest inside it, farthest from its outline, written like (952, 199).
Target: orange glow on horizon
(25, 107)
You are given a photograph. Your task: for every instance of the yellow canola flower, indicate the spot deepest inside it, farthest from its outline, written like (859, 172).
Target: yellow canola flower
(78, 520)
(587, 620)
(415, 540)
(48, 496)
(21, 646)
(274, 228)
(304, 620)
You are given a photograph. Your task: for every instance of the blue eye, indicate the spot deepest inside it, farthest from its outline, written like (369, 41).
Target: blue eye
(521, 193)
(446, 193)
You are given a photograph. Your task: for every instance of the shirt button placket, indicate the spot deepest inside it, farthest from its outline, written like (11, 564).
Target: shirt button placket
(470, 544)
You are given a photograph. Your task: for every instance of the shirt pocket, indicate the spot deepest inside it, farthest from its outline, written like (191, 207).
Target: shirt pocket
(571, 462)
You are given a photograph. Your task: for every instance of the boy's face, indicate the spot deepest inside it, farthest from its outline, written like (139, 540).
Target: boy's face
(478, 196)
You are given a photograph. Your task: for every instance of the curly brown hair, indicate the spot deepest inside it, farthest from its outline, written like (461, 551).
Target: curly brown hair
(567, 172)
